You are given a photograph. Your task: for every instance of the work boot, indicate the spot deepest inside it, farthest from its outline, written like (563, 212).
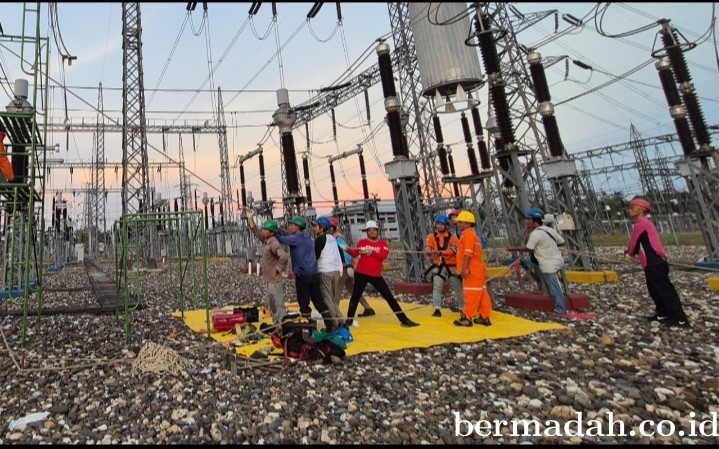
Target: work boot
(368, 312)
(463, 322)
(437, 313)
(409, 323)
(483, 321)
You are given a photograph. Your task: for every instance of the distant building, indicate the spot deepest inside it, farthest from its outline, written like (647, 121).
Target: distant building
(358, 212)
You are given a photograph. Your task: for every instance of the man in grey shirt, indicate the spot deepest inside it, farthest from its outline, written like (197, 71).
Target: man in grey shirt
(273, 266)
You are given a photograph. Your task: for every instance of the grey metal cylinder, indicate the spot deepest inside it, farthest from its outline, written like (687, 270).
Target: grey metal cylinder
(444, 60)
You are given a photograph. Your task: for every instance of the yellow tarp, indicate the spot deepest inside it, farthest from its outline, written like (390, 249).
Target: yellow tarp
(383, 331)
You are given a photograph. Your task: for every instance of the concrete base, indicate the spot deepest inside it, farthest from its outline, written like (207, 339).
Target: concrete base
(545, 303)
(417, 288)
(713, 283)
(591, 277)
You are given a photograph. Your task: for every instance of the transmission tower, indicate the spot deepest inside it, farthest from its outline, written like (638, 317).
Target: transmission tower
(226, 200)
(184, 183)
(646, 175)
(97, 223)
(135, 178)
(515, 93)
(420, 139)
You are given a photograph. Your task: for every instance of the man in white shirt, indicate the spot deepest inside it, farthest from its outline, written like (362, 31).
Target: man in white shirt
(544, 242)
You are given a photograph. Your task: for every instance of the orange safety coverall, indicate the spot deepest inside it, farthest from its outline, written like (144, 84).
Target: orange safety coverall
(474, 284)
(448, 254)
(5, 165)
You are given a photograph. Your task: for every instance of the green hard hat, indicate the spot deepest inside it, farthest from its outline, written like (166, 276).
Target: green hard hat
(271, 225)
(299, 221)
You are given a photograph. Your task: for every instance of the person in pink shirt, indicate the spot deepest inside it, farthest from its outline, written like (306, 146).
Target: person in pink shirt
(372, 251)
(652, 257)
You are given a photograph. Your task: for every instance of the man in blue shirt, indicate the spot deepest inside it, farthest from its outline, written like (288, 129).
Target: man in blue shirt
(307, 276)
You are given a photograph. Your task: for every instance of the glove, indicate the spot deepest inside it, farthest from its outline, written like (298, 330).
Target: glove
(284, 274)
(350, 272)
(250, 214)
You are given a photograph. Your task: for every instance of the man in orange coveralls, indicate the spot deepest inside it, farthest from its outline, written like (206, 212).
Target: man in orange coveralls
(474, 274)
(5, 165)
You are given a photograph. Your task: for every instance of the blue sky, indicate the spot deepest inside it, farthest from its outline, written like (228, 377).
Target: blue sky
(318, 52)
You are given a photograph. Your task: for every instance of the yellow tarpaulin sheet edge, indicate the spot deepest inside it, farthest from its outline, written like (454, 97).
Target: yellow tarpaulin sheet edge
(383, 331)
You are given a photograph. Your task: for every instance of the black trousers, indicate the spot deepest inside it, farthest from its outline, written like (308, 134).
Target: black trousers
(361, 281)
(308, 288)
(662, 291)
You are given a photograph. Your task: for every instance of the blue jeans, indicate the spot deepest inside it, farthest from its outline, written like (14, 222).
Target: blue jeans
(552, 281)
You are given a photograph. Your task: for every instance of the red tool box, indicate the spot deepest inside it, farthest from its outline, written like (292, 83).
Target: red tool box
(224, 320)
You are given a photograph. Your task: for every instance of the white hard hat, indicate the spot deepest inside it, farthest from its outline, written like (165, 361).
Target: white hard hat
(371, 224)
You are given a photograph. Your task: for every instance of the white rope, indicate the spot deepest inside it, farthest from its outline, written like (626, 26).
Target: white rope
(158, 359)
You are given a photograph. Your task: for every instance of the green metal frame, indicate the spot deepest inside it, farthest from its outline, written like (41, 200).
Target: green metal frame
(183, 232)
(31, 193)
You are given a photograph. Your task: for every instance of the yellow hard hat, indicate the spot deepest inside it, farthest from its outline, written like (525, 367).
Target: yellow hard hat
(466, 217)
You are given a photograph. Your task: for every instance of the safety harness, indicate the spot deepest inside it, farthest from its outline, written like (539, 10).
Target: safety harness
(442, 264)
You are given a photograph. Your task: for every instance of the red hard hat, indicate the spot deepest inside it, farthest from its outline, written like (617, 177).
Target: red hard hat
(333, 222)
(453, 212)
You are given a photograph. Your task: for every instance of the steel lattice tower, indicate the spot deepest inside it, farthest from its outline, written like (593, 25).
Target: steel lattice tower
(420, 138)
(646, 175)
(226, 199)
(516, 155)
(184, 184)
(135, 178)
(97, 224)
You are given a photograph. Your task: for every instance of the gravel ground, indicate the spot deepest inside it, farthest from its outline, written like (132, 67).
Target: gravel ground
(79, 369)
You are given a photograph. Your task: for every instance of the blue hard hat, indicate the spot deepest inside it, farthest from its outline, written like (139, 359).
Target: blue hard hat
(443, 219)
(324, 222)
(533, 213)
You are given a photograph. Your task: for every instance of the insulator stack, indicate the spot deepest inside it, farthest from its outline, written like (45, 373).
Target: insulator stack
(366, 105)
(385, 71)
(212, 211)
(176, 209)
(288, 152)
(676, 109)
(481, 144)
(263, 185)
(334, 126)
(684, 79)
(307, 130)
(450, 161)
(391, 103)
(334, 185)
(501, 108)
(541, 91)
(222, 215)
(363, 173)
(487, 48)
(306, 171)
(473, 167)
(441, 151)
(242, 185)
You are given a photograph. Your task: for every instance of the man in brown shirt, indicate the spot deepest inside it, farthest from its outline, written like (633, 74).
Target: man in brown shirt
(273, 265)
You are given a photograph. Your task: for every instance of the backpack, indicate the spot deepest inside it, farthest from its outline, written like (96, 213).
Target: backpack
(297, 343)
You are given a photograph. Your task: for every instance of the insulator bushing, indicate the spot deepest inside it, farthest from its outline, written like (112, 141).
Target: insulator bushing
(675, 54)
(437, 129)
(554, 141)
(391, 104)
(539, 79)
(395, 131)
(685, 136)
(501, 113)
(484, 155)
(263, 185)
(288, 152)
(334, 184)
(443, 165)
(450, 161)
(363, 174)
(385, 70)
(477, 122)
(465, 129)
(677, 111)
(668, 85)
(487, 46)
(473, 167)
(697, 118)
